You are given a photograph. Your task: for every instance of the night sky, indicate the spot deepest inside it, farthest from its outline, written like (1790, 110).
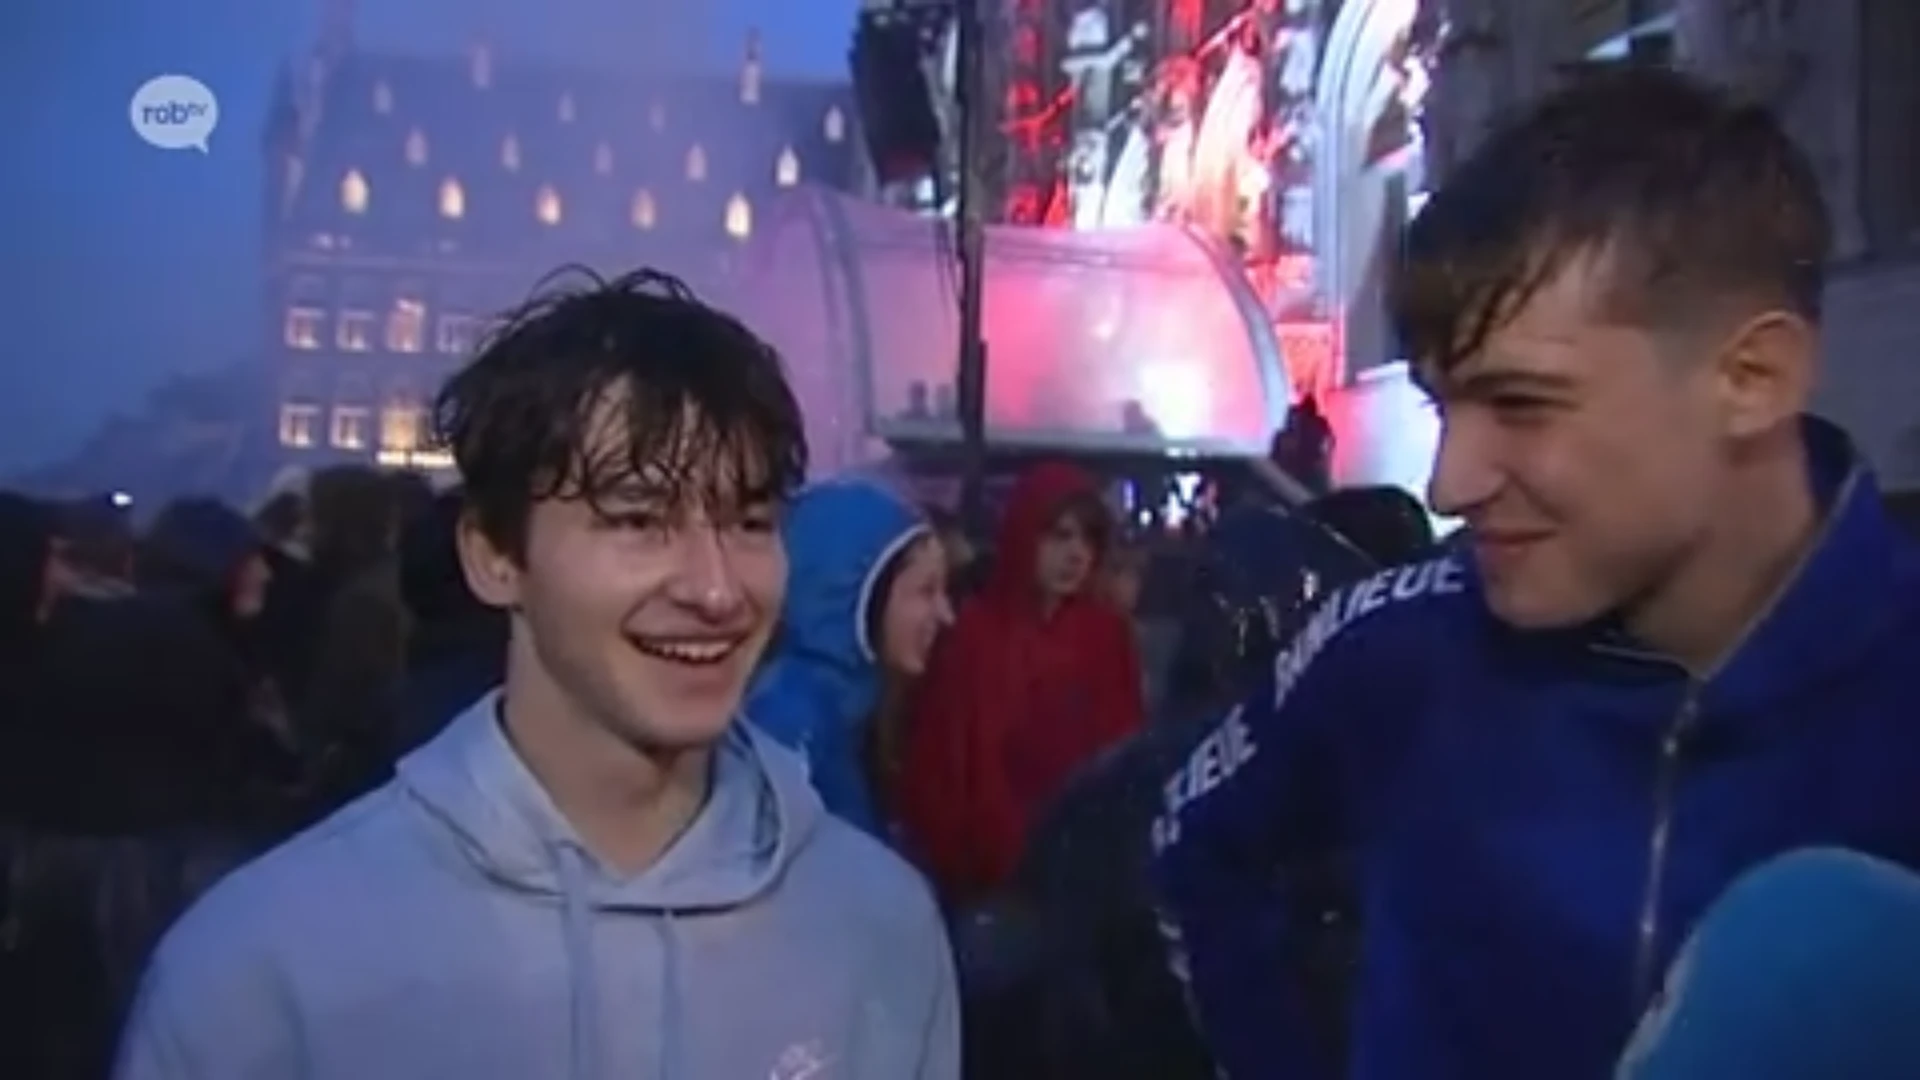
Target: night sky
(124, 264)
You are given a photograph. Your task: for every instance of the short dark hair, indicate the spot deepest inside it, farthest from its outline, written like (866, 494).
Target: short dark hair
(1691, 197)
(699, 388)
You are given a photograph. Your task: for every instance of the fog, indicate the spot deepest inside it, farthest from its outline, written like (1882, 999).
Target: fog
(126, 266)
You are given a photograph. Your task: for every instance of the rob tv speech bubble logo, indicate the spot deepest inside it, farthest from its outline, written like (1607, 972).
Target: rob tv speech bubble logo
(174, 112)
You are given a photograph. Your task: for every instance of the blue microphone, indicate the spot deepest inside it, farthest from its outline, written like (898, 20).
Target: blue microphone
(1806, 968)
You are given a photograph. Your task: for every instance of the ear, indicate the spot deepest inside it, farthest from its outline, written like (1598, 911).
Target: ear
(1765, 372)
(492, 574)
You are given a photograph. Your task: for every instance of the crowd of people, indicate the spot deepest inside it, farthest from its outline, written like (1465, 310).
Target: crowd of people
(638, 754)
(181, 696)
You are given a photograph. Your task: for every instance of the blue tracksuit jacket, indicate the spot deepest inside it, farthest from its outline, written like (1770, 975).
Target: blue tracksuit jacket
(1537, 819)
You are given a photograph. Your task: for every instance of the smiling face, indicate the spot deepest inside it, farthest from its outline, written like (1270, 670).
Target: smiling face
(1584, 454)
(917, 607)
(644, 609)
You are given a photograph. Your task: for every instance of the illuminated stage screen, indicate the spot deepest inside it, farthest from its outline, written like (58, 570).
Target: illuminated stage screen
(1203, 112)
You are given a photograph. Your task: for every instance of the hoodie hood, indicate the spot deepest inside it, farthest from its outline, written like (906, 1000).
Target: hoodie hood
(759, 812)
(841, 536)
(1038, 497)
(821, 683)
(200, 543)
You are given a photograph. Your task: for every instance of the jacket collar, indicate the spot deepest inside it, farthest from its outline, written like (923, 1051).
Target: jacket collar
(1837, 603)
(1830, 610)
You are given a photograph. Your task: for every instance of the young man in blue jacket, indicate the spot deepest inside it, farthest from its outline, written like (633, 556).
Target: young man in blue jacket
(1678, 638)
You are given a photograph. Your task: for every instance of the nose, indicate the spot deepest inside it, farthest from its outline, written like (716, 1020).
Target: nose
(943, 611)
(1465, 474)
(705, 579)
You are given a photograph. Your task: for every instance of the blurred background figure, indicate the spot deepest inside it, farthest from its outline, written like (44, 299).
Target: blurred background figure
(94, 548)
(456, 647)
(866, 599)
(1040, 673)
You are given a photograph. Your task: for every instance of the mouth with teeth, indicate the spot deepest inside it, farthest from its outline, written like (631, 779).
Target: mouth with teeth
(703, 653)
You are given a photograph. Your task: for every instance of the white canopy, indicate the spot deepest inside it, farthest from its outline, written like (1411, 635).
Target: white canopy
(1145, 338)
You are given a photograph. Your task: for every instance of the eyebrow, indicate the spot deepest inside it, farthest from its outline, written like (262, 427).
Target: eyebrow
(1486, 384)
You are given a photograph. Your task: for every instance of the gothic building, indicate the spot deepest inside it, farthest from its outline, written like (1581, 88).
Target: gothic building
(410, 198)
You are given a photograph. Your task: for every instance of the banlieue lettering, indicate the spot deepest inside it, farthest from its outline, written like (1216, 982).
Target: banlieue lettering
(1232, 745)
(173, 113)
(1438, 578)
(1218, 756)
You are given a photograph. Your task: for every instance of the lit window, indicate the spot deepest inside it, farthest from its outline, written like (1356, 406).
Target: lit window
(354, 331)
(786, 172)
(349, 427)
(835, 126)
(303, 327)
(546, 205)
(453, 200)
(645, 214)
(697, 162)
(482, 67)
(454, 335)
(739, 217)
(510, 154)
(603, 159)
(401, 425)
(657, 115)
(566, 108)
(416, 148)
(406, 326)
(297, 423)
(354, 193)
(382, 97)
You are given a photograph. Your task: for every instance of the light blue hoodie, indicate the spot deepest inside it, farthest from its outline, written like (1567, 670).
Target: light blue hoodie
(452, 926)
(819, 688)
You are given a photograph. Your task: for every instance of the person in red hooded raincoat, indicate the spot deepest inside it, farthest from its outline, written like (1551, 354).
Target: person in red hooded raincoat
(1039, 673)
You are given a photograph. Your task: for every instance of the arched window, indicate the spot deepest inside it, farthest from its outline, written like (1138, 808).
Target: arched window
(510, 154)
(354, 193)
(546, 205)
(453, 200)
(416, 148)
(697, 163)
(739, 217)
(645, 213)
(786, 171)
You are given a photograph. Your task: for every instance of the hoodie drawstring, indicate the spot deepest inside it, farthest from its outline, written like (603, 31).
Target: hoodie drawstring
(584, 991)
(670, 1029)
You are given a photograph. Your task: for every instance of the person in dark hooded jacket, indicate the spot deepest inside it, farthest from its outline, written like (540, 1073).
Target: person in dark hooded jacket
(1107, 1006)
(456, 646)
(131, 770)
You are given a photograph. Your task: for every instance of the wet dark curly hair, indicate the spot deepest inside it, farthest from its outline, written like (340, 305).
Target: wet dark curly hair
(596, 385)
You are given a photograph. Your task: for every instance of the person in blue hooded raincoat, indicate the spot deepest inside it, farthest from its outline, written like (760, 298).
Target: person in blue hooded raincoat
(866, 600)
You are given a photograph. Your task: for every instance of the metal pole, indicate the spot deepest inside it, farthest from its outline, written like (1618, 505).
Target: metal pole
(971, 382)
